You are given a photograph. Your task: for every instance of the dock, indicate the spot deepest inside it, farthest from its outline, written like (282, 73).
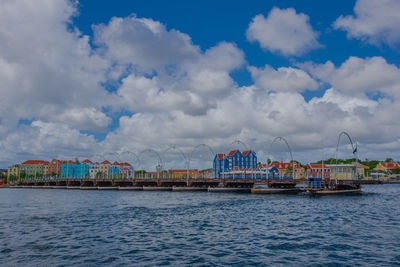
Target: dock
(254, 186)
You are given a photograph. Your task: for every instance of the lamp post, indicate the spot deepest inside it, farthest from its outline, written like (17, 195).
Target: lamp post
(354, 150)
(191, 155)
(279, 138)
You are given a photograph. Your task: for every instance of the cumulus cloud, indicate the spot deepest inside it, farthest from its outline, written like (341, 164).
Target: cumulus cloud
(360, 75)
(283, 31)
(169, 71)
(46, 140)
(174, 92)
(283, 79)
(144, 42)
(48, 69)
(374, 21)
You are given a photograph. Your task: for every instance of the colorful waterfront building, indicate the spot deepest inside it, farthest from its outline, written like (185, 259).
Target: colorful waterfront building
(220, 164)
(173, 173)
(234, 161)
(342, 171)
(32, 168)
(75, 169)
(286, 169)
(54, 167)
(249, 159)
(13, 173)
(318, 171)
(114, 169)
(104, 168)
(94, 170)
(387, 167)
(126, 170)
(360, 169)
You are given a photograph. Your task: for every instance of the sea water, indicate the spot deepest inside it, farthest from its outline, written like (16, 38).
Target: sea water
(50, 227)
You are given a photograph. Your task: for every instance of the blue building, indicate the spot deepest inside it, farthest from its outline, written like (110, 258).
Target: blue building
(75, 169)
(220, 164)
(234, 161)
(249, 159)
(114, 169)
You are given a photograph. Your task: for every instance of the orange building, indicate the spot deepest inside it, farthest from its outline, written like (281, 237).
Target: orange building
(53, 167)
(182, 173)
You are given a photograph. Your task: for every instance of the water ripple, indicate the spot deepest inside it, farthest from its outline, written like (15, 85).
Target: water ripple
(94, 228)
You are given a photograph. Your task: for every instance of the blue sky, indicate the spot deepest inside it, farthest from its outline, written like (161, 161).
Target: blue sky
(209, 22)
(79, 78)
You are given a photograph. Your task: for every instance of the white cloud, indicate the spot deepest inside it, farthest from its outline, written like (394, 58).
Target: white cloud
(144, 42)
(177, 75)
(47, 69)
(46, 140)
(360, 76)
(375, 21)
(283, 79)
(177, 93)
(283, 31)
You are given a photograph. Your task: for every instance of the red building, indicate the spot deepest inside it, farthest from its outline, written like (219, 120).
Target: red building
(318, 171)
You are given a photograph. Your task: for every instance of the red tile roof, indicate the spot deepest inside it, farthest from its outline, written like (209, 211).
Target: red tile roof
(245, 153)
(390, 165)
(106, 162)
(34, 162)
(87, 161)
(232, 152)
(68, 162)
(317, 166)
(285, 165)
(115, 163)
(125, 164)
(221, 156)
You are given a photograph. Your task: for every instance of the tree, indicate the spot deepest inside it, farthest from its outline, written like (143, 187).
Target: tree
(388, 160)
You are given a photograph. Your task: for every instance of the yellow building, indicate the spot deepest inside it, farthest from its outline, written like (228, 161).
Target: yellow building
(183, 173)
(387, 167)
(12, 172)
(360, 169)
(104, 168)
(342, 171)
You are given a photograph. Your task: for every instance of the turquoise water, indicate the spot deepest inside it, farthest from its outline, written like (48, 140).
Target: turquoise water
(42, 227)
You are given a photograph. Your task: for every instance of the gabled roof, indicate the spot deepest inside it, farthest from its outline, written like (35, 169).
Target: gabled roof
(106, 162)
(34, 162)
(68, 162)
(245, 153)
(221, 156)
(87, 161)
(233, 152)
(115, 163)
(390, 165)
